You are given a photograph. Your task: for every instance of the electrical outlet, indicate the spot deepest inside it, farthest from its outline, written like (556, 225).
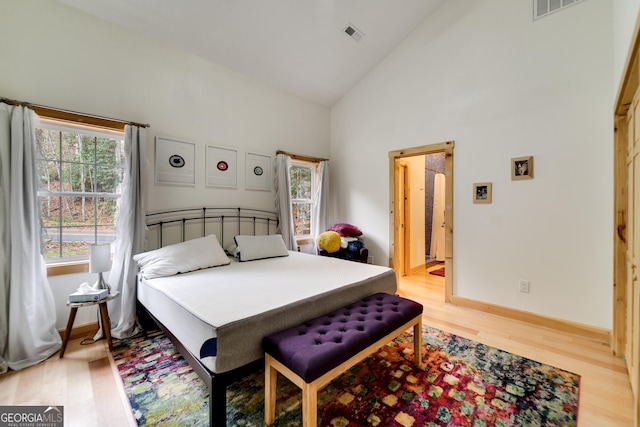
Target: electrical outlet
(369, 260)
(524, 286)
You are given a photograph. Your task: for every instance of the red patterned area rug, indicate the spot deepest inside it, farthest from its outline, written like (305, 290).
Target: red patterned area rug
(462, 383)
(438, 272)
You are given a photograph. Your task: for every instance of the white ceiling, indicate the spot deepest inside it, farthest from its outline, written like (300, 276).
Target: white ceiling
(296, 45)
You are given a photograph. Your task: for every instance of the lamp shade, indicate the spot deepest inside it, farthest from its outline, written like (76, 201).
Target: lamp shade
(99, 258)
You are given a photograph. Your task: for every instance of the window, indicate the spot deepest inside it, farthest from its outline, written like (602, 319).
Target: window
(302, 177)
(80, 170)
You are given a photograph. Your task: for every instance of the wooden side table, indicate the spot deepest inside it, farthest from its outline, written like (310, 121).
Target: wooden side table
(104, 316)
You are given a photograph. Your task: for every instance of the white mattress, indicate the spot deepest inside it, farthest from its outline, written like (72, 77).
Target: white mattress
(244, 301)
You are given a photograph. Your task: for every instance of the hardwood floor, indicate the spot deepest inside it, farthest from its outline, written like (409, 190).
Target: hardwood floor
(605, 391)
(86, 383)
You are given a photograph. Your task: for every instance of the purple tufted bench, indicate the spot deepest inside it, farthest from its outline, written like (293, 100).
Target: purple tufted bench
(315, 352)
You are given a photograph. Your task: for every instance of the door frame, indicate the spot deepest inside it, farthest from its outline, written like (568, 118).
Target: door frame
(397, 257)
(629, 86)
(404, 247)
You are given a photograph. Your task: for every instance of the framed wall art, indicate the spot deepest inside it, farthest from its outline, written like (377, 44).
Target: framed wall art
(522, 168)
(482, 192)
(258, 172)
(222, 167)
(175, 162)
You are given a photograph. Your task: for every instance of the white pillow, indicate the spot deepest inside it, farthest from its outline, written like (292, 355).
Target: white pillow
(258, 247)
(191, 255)
(344, 241)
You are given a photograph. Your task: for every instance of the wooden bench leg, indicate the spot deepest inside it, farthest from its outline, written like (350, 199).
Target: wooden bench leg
(270, 387)
(417, 344)
(310, 390)
(310, 404)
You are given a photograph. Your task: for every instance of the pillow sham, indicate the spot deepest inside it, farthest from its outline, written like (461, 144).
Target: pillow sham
(344, 241)
(251, 248)
(346, 230)
(182, 257)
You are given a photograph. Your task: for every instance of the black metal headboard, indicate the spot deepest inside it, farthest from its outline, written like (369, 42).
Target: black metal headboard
(178, 225)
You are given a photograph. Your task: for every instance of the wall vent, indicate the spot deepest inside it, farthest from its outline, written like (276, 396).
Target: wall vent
(543, 8)
(353, 32)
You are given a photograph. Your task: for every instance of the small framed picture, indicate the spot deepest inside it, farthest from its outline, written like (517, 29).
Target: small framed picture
(175, 162)
(222, 166)
(482, 192)
(258, 172)
(522, 168)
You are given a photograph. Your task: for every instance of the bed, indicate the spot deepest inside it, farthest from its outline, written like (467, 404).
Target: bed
(218, 315)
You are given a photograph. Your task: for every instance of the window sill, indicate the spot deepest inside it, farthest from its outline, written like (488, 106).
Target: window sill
(304, 240)
(60, 269)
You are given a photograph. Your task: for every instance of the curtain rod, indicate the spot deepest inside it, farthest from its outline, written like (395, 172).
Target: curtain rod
(301, 157)
(68, 115)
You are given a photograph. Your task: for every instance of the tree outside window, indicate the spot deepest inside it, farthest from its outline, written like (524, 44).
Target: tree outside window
(302, 178)
(80, 175)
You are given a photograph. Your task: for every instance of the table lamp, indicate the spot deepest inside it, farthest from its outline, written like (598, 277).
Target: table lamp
(99, 262)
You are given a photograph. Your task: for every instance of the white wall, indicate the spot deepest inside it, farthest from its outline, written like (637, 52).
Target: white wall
(625, 15)
(56, 56)
(483, 74)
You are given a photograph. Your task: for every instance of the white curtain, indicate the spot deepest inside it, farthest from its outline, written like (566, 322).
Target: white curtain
(5, 230)
(437, 225)
(28, 332)
(283, 201)
(320, 216)
(131, 228)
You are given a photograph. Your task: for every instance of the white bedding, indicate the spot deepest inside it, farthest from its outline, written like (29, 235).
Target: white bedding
(249, 300)
(259, 285)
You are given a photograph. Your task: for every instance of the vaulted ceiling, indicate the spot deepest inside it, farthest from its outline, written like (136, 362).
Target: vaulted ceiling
(297, 45)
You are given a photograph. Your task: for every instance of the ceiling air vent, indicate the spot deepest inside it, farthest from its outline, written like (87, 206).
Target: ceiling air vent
(545, 7)
(353, 32)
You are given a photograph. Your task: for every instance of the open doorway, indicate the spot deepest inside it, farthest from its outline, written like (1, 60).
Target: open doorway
(434, 208)
(408, 236)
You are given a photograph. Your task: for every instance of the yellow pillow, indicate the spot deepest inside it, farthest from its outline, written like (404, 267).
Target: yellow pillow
(329, 241)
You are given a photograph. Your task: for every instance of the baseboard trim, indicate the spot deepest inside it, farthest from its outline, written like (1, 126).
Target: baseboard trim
(587, 331)
(79, 331)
